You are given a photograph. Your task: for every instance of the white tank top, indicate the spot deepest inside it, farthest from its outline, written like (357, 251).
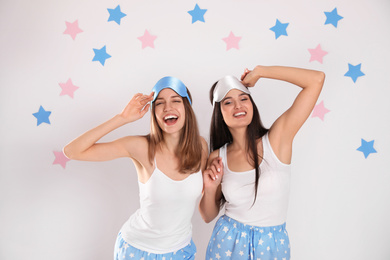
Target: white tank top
(270, 208)
(162, 224)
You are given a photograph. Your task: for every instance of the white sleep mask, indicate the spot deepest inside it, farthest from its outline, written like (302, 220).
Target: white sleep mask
(226, 84)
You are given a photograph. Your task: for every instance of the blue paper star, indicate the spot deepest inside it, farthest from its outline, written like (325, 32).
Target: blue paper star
(354, 72)
(116, 14)
(367, 148)
(101, 55)
(42, 116)
(279, 29)
(333, 17)
(197, 14)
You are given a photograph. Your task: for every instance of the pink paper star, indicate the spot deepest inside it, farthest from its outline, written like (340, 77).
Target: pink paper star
(72, 29)
(231, 41)
(60, 159)
(317, 54)
(147, 40)
(68, 88)
(320, 110)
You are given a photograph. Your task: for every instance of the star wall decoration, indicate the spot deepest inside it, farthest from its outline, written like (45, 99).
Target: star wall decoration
(116, 14)
(197, 14)
(354, 72)
(333, 17)
(232, 41)
(367, 148)
(72, 29)
(42, 116)
(317, 54)
(147, 40)
(60, 159)
(101, 55)
(279, 29)
(320, 110)
(68, 88)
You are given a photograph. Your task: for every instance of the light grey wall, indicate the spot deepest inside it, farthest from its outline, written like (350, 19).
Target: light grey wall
(339, 199)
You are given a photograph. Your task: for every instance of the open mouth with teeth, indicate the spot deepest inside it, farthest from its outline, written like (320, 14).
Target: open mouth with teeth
(170, 119)
(239, 114)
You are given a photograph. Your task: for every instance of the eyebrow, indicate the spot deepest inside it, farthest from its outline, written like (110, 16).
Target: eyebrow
(174, 96)
(228, 97)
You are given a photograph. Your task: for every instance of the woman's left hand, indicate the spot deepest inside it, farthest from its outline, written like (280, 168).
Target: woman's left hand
(212, 176)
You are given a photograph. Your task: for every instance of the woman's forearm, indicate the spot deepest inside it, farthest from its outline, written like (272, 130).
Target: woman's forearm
(303, 78)
(78, 146)
(209, 205)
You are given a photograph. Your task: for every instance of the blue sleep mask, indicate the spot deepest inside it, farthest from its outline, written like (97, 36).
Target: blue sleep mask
(173, 83)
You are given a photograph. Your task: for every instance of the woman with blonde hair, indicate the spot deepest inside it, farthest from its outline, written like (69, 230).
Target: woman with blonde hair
(168, 161)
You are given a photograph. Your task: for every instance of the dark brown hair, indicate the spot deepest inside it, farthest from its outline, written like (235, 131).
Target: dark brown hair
(220, 134)
(189, 150)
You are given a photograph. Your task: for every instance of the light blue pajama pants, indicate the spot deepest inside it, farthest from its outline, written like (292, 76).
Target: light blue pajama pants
(124, 251)
(234, 240)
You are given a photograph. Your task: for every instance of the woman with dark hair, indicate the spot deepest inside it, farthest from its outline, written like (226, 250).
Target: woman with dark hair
(168, 162)
(249, 166)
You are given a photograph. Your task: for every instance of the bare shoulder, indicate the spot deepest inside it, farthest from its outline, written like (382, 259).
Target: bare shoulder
(204, 144)
(137, 146)
(214, 154)
(138, 149)
(205, 152)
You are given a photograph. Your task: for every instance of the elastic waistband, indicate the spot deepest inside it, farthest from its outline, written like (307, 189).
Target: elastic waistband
(147, 247)
(243, 226)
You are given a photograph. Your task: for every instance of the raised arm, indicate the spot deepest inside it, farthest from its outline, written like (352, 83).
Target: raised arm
(212, 193)
(284, 129)
(86, 148)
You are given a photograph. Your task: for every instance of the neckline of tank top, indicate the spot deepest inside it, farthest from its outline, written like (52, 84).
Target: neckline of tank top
(166, 176)
(264, 138)
(248, 171)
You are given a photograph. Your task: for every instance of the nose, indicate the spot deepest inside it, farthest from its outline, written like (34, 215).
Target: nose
(237, 104)
(167, 106)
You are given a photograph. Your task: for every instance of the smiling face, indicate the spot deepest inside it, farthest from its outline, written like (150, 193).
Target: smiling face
(169, 111)
(237, 109)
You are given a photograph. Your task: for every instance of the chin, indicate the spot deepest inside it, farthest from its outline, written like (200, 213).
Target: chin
(173, 130)
(238, 124)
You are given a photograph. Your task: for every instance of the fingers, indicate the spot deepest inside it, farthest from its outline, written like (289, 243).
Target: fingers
(143, 96)
(215, 169)
(220, 166)
(137, 96)
(145, 110)
(213, 173)
(246, 71)
(220, 163)
(217, 163)
(143, 99)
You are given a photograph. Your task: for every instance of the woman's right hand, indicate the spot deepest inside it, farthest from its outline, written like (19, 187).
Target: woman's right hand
(250, 77)
(212, 176)
(137, 107)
